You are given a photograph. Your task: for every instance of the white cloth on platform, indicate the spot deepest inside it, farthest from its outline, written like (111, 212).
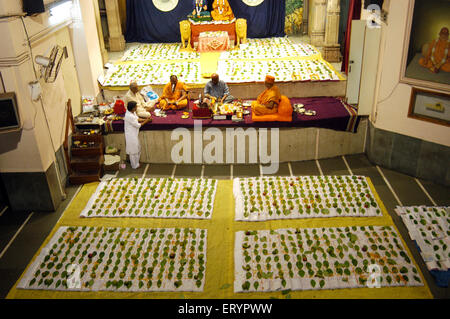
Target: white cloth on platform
(132, 145)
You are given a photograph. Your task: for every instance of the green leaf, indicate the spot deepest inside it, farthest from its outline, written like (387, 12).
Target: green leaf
(313, 283)
(246, 285)
(225, 286)
(285, 292)
(391, 261)
(322, 283)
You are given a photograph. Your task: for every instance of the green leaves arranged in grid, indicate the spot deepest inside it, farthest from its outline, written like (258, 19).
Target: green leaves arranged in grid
(158, 51)
(321, 258)
(121, 259)
(150, 72)
(266, 198)
(153, 197)
(429, 227)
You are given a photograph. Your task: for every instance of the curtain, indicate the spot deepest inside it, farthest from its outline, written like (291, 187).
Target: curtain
(145, 23)
(354, 13)
(263, 21)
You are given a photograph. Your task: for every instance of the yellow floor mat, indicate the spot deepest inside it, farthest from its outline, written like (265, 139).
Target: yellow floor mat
(208, 63)
(219, 279)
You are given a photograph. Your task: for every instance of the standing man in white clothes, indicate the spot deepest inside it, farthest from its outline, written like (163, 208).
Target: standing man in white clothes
(132, 125)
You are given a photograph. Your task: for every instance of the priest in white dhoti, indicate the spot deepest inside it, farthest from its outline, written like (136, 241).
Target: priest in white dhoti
(132, 125)
(143, 108)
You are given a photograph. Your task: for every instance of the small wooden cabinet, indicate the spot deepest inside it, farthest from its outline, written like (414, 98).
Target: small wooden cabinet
(86, 161)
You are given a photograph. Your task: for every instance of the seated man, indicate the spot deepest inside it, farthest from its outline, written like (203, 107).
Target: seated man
(217, 90)
(143, 108)
(222, 11)
(436, 54)
(174, 95)
(268, 100)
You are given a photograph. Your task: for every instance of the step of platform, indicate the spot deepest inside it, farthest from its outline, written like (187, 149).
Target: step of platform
(77, 178)
(86, 163)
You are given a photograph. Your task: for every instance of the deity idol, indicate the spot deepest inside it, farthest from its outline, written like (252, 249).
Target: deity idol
(200, 8)
(222, 11)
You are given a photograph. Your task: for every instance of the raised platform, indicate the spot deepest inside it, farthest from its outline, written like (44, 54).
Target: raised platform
(295, 144)
(252, 90)
(299, 69)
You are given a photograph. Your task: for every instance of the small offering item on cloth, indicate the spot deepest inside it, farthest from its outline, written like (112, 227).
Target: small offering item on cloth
(119, 107)
(160, 113)
(185, 115)
(199, 112)
(310, 112)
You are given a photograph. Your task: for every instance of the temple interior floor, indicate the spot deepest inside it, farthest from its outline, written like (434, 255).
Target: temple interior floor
(21, 234)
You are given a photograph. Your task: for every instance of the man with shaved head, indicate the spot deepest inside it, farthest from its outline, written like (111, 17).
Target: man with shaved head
(267, 102)
(217, 90)
(175, 95)
(143, 108)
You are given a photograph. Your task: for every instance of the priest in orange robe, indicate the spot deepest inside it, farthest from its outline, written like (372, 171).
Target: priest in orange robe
(436, 55)
(174, 95)
(222, 11)
(268, 100)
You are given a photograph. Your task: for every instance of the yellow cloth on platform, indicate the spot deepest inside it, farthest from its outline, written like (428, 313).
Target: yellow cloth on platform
(173, 96)
(268, 95)
(222, 10)
(438, 55)
(220, 252)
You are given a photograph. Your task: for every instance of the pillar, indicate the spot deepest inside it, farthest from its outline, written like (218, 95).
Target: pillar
(317, 22)
(332, 48)
(116, 38)
(305, 16)
(101, 39)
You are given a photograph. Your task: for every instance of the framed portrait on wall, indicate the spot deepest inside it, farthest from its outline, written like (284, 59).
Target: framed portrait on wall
(426, 52)
(430, 106)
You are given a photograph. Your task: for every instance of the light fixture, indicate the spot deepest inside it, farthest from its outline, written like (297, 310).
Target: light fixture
(42, 60)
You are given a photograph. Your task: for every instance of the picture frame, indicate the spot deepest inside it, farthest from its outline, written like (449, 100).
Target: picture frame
(430, 106)
(411, 72)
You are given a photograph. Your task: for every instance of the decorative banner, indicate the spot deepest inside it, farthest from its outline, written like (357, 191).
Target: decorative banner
(165, 5)
(253, 3)
(294, 17)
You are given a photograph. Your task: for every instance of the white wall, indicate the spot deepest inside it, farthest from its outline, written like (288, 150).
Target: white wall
(87, 50)
(34, 151)
(391, 110)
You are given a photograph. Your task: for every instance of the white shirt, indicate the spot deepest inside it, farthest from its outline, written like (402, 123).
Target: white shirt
(131, 128)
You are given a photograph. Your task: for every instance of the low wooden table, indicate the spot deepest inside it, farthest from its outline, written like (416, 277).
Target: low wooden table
(196, 29)
(218, 41)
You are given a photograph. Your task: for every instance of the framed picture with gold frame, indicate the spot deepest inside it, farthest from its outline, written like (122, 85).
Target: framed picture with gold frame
(427, 45)
(430, 106)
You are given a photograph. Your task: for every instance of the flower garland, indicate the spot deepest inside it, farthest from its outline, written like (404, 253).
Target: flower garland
(199, 6)
(445, 53)
(220, 7)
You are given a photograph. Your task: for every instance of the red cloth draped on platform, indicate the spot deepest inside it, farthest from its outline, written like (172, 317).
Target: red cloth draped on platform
(332, 113)
(354, 13)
